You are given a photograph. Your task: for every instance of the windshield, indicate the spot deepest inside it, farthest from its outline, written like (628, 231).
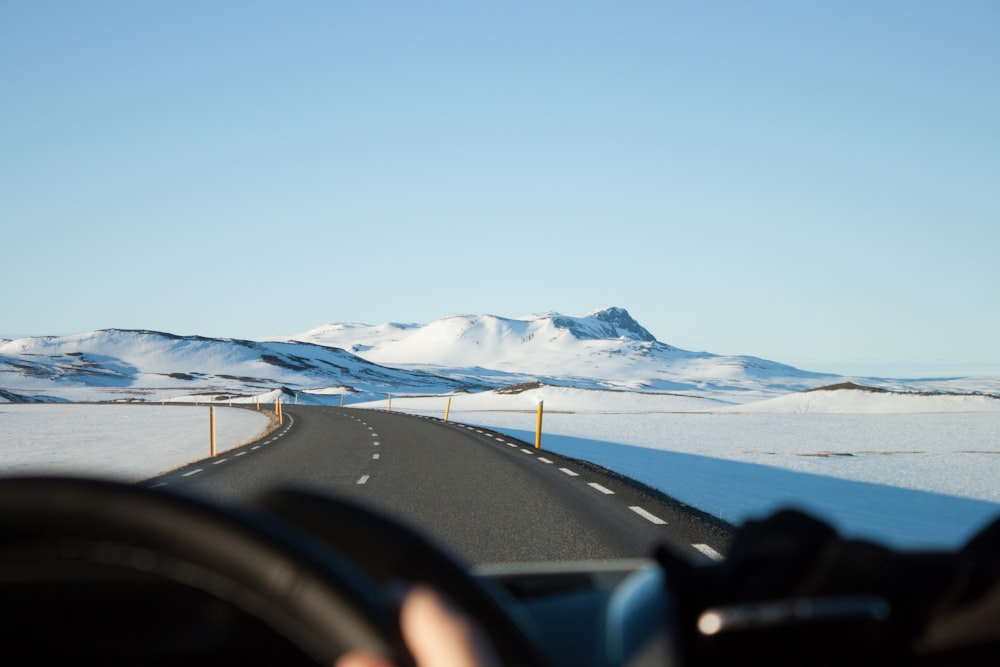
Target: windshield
(673, 265)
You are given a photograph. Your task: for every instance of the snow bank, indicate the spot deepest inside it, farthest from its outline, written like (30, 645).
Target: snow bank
(855, 401)
(562, 399)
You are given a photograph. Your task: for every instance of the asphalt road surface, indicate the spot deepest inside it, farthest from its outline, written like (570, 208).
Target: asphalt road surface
(484, 496)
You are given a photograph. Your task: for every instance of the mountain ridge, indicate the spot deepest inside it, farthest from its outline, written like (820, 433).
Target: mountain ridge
(606, 349)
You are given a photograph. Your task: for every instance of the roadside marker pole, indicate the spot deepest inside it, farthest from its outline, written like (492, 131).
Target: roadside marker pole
(211, 429)
(390, 402)
(447, 410)
(538, 426)
(341, 400)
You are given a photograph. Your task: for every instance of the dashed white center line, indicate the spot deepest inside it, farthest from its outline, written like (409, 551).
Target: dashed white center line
(255, 447)
(528, 451)
(511, 444)
(217, 462)
(708, 551)
(374, 435)
(569, 472)
(375, 456)
(376, 443)
(543, 459)
(364, 479)
(499, 439)
(158, 485)
(652, 518)
(240, 453)
(193, 472)
(606, 491)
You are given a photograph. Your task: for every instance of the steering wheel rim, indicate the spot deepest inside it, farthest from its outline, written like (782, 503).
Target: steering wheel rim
(387, 551)
(272, 571)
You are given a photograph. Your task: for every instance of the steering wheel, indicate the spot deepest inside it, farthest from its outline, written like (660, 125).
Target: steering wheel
(388, 551)
(59, 531)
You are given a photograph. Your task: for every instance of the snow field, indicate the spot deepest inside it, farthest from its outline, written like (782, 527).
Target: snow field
(125, 442)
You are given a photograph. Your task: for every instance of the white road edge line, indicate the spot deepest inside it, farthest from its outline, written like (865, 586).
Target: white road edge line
(708, 551)
(652, 518)
(569, 472)
(193, 472)
(603, 489)
(364, 479)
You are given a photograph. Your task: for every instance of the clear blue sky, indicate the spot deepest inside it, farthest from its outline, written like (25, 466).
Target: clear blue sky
(812, 182)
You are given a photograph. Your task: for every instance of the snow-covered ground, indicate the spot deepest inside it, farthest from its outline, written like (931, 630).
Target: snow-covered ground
(909, 470)
(126, 442)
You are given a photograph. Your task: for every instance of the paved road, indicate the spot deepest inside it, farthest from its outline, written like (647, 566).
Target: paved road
(484, 496)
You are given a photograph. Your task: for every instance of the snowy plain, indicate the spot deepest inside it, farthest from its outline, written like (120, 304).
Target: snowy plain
(124, 442)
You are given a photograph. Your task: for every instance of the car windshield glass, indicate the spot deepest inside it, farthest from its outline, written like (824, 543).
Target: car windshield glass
(548, 281)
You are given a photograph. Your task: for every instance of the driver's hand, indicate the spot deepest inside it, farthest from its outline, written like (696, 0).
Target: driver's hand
(436, 634)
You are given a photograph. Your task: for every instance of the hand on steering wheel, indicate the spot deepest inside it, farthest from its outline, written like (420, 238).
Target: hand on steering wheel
(436, 634)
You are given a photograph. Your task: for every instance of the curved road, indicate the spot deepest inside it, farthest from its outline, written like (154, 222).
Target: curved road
(484, 496)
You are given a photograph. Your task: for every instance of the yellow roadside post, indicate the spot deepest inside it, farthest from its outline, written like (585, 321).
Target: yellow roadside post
(390, 402)
(538, 426)
(447, 409)
(211, 429)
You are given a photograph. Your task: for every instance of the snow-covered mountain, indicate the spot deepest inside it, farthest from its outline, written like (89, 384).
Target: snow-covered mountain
(114, 364)
(605, 349)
